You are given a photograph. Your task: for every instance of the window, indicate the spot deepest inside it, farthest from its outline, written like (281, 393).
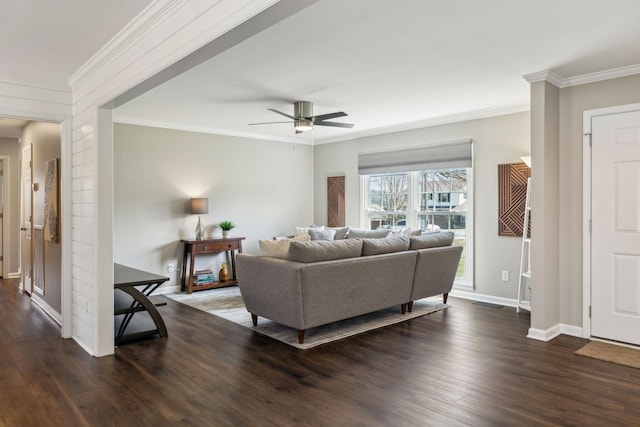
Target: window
(430, 200)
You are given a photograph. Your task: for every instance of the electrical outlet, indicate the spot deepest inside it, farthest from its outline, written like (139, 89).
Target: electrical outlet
(505, 275)
(171, 268)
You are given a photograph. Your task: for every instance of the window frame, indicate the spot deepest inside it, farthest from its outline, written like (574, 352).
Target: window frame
(413, 212)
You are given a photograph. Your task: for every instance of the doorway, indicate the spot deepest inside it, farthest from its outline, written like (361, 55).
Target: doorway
(612, 248)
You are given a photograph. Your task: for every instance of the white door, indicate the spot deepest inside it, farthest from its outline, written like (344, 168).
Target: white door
(615, 215)
(26, 228)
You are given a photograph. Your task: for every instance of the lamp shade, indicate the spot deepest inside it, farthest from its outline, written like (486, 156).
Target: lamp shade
(200, 206)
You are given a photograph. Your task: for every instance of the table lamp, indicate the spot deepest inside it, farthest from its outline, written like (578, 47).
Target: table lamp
(199, 206)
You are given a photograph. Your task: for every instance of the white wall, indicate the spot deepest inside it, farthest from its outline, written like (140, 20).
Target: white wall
(496, 140)
(264, 187)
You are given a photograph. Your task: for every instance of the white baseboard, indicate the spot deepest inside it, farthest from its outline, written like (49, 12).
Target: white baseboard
(552, 332)
(536, 334)
(14, 275)
(44, 306)
(483, 298)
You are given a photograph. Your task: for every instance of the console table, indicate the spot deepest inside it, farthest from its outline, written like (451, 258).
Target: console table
(194, 247)
(135, 315)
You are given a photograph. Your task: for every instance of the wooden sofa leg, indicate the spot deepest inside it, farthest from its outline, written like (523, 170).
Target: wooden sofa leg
(410, 306)
(254, 319)
(300, 336)
(444, 297)
(403, 308)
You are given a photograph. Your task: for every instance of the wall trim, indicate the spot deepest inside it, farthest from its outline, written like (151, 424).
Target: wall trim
(563, 82)
(433, 121)
(44, 306)
(552, 332)
(508, 302)
(21, 79)
(14, 275)
(587, 117)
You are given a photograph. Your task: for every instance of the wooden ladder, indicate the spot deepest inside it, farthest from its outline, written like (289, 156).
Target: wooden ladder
(525, 257)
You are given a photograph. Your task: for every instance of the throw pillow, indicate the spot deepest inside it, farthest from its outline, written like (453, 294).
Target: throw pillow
(278, 248)
(317, 234)
(385, 246)
(324, 250)
(303, 231)
(356, 233)
(341, 232)
(432, 240)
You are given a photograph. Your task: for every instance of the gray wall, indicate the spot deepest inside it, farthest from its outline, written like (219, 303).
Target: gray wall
(10, 147)
(264, 187)
(496, 140)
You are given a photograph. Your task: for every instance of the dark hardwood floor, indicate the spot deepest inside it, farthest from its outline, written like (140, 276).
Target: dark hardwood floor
(469, 365)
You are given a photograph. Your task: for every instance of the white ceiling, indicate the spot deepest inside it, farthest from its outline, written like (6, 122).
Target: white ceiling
(388, 64)
(50, 40)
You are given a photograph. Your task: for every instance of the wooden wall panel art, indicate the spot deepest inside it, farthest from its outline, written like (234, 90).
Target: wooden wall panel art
(335, 201)
(512, 193)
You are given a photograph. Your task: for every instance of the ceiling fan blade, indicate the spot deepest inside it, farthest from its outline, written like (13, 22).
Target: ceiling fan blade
(281, 113)
(266, 123)
(322, 117)
(334, 124)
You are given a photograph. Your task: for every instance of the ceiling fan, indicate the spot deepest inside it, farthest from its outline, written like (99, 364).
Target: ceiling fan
(303, 118)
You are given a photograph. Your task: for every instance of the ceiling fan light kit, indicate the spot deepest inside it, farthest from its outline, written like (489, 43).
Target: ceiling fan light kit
(303, 118)
(301, 125)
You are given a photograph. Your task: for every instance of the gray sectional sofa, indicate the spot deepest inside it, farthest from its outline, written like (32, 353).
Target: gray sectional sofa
(321, 282)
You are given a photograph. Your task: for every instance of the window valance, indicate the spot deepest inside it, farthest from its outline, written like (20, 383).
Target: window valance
(449, 155)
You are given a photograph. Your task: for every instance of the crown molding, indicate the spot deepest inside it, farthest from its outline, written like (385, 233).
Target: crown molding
(436, 121)
(544, 76)
(563, 82)
(613, 73)
(152, 20)
(430, 122)
(32, 81)
(203, 129)
(124, 39)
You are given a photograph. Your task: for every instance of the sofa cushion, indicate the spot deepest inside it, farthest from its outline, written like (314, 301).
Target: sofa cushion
(406, 232)
(356, 233)
(303, 231)
(324, 250)
(385, 246)
(432, 240)
(317, 234)
(341, 232)
(278, 248)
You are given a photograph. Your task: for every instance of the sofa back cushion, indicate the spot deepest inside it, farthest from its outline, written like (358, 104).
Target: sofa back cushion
(356, 233)
(325, 234)
(324, 250)
(341, 232)
(279, 248)
(384, 246)
(431, 240)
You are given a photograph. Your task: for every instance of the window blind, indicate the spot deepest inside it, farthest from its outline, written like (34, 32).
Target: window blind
(456, 154)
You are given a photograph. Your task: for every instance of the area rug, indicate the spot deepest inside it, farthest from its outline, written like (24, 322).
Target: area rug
(611, 353)
(227, 303)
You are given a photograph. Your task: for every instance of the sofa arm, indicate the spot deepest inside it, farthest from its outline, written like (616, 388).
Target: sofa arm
(435, 271)
(271, 288)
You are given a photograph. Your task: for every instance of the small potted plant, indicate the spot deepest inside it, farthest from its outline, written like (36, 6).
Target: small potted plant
(225, 226)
